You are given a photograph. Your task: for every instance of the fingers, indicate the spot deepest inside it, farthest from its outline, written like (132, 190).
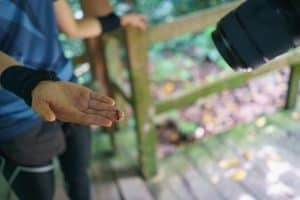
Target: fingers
(91, 119)
(120, 115)
(141, 25)
(111, 115)
(103, 99)
(134, 20)
(44, 111)
(114, 116)
(99, 106)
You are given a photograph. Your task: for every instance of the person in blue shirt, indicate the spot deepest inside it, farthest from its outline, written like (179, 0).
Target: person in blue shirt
(41, 106)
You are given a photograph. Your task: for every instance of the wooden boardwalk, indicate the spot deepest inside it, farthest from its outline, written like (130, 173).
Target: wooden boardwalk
(253, 161)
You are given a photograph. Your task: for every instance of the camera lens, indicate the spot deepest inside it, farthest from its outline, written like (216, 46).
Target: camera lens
(225, 49)
(257, 31)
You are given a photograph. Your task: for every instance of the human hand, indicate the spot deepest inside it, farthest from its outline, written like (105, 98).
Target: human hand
(73, 103)
(134, 20)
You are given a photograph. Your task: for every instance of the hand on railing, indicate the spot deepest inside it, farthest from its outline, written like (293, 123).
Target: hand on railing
(134, 20)
(71, 102)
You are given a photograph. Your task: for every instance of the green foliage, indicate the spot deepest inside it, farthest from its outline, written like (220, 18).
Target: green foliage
(187, 127)
(187, 50)
(73, 47)
(163, 10)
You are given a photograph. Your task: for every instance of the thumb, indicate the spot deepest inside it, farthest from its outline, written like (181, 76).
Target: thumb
(44, 110)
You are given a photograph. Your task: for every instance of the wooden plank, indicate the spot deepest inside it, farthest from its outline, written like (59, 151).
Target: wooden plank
(105, 186)
(254, 184)
(199, 186)
(173, 169)
(285, 146)
(171, 179)
(293, 88)
(292, 182)
(133, 188)
(137, 46)
(105, 190)
(268, 137)
(124, 165)
(227, 188)
(194, 184)
(232, 81)
(291, 140)
(178, 187)
(190, 23)
(162, 190)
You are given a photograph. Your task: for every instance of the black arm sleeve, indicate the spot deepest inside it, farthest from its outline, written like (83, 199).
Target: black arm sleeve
(22, 80)
(110, 22)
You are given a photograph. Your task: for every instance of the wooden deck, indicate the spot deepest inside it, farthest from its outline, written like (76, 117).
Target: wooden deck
(254, 161)
(259, 160)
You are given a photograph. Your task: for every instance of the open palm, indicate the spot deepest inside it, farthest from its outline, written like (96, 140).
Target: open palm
(71, 102)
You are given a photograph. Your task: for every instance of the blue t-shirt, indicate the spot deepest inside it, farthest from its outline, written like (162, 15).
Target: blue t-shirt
(28, 33)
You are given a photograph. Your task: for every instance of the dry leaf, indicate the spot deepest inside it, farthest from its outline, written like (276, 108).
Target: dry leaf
(169, 87)
(207, 118)
(296, 115)
(229, 163)
(248, 155)
(174, 136)
(215, 179)
(274, 156)
(261, 122)
(239, 175)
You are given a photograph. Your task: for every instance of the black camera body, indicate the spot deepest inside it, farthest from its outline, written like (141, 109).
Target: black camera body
(258, 31)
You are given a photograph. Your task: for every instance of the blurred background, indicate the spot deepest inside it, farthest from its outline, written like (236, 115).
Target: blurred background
(238, 144)
(193, 60)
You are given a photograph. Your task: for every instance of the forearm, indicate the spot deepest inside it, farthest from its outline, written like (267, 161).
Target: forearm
(93, 8)
(90, 26)
(6, 61)
(86, 28)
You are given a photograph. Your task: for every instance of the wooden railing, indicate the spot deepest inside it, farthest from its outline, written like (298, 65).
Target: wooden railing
(145, 109)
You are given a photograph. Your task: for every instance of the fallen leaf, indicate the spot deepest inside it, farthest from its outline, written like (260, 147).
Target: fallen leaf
(169, 87)
(239, 175)
(207, 118)
(215, 179)
(248, 155)
(261, 122)
(229, 163)
(174, 136)
(296, 115)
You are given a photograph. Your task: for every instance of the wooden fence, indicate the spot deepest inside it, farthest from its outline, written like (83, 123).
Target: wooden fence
(145, 109)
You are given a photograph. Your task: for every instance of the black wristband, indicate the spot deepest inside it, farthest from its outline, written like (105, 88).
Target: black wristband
(109, 22)
(22, 80)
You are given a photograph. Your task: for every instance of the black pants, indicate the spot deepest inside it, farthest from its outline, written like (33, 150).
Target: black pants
(36, 182)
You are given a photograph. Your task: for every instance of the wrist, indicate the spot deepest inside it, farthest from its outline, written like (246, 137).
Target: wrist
(22, 81)
(109, 22)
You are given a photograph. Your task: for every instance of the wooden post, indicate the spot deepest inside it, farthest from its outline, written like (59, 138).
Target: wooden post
(114, 66)
(95, 49)
(137, 46)
(293, 84)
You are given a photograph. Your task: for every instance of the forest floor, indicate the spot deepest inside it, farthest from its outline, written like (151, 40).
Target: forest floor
(214, 114)
(253, 161)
